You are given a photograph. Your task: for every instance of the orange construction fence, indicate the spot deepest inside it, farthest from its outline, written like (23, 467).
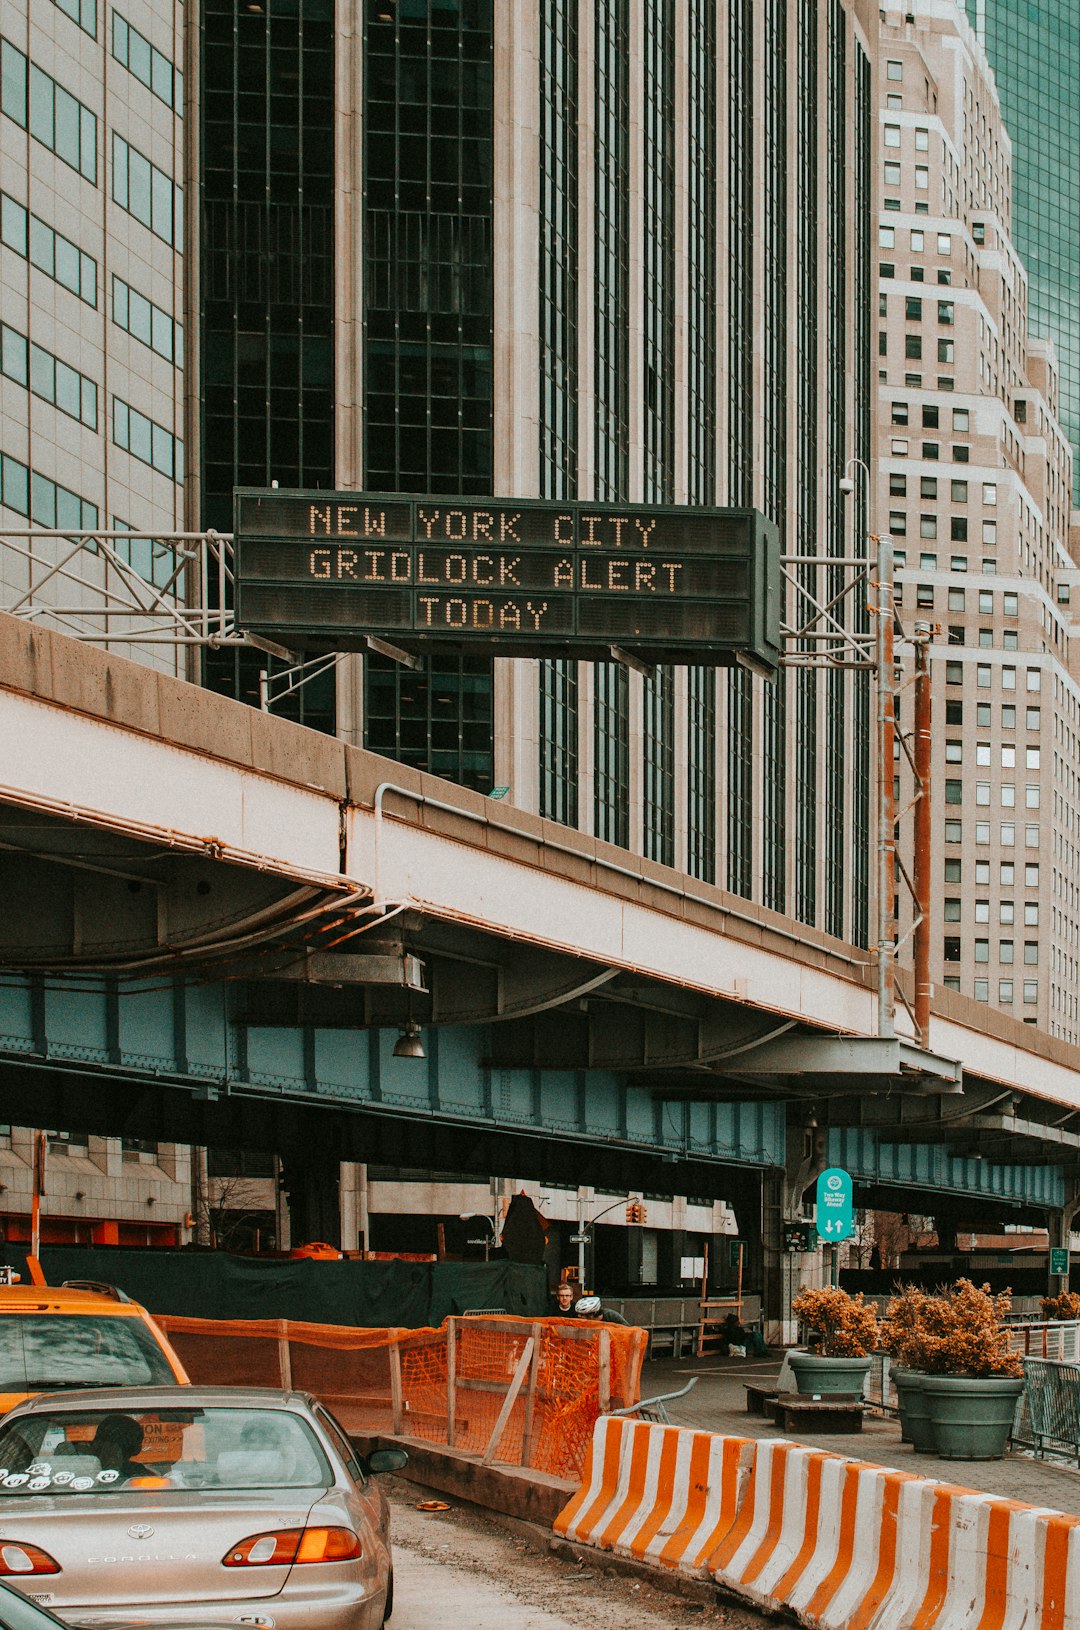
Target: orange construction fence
(522, 1391)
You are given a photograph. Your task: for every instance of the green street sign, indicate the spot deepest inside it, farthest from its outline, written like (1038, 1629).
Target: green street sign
(1059, 1260)
(835, 1205)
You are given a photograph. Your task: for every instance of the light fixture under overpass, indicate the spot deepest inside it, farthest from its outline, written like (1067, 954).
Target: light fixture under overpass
(408, 1044)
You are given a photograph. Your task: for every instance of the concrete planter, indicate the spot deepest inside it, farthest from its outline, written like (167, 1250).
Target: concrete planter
(914, 1407)
(971, 1417)
(817, 1375)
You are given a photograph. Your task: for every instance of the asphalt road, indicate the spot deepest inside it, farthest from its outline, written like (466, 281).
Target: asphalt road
(462, 1570)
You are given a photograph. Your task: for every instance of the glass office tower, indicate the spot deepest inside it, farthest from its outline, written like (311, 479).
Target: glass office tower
(1034, 50)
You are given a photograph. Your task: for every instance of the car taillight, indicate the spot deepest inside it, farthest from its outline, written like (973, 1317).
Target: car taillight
(288, 1545)
(25, 1559)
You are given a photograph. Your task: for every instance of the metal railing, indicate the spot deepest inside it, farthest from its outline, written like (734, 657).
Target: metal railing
(1048, 1417)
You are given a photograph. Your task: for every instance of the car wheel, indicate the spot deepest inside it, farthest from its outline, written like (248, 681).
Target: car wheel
(388, 1606)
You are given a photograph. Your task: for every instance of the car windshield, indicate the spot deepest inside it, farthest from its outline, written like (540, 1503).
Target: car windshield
(99, 1451)
(42, 1352)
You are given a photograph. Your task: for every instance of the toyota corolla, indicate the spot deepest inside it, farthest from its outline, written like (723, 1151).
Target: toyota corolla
(241, 1505)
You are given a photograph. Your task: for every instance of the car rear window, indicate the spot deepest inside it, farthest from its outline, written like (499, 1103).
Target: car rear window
(102, 1450)
(44, 1352)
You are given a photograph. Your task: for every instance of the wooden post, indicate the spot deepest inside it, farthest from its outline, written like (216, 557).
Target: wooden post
(508, 1402)
(395, 1386)
(528, 1443)
(451, 1383)
(283, 1354)
(604, 1371)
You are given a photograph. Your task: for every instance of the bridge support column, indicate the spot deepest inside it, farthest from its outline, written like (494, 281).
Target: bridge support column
(312, 1187)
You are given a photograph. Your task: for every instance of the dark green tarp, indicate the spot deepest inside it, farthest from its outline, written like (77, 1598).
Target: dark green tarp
(214, 1285)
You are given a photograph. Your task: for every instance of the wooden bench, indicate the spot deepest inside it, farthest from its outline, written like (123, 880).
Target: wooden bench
(758, 1399)
(836, 1412)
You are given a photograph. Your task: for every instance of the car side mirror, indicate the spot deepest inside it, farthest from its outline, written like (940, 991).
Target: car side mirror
(387, 1460)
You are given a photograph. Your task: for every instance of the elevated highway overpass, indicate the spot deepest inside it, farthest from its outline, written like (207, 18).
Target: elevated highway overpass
(216, 924)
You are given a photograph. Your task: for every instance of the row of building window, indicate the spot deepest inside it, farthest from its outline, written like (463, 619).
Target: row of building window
(1006, 991)
(42, 501)
(36, 241)
(1006, 916)
(146, 322)
(954, 714)
(82, 12)
(62, 124)
(147, 441)
(954, 675)
(46, 376)
(1006, 949)
(53, 116)
(148, 65)
(954, 833)
(954, 872)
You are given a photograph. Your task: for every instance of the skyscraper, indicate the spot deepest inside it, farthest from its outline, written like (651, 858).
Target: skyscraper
(1034, 50)
(607, 252)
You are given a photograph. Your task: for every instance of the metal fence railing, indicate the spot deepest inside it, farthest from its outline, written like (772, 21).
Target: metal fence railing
(1048, 1415)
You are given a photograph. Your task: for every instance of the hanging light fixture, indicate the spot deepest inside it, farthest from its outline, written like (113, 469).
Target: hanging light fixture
(408, 1044)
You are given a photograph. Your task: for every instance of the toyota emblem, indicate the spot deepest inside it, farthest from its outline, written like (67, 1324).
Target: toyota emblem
(140, 1530)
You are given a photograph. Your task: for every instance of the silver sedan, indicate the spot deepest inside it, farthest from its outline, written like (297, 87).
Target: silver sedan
(240, 1505)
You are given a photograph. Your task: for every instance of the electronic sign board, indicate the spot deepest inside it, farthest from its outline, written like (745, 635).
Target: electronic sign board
(324, 571)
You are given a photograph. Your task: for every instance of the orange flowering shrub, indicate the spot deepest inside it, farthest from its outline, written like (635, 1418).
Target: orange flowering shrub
(960, 1331)
(1066, 1305)
(848, 1328)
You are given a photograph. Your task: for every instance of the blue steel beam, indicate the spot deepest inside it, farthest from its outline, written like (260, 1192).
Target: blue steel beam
(933, 1166)
(187, 1035)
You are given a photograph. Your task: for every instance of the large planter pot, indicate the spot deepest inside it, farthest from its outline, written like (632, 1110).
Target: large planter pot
(914, 1406)
(971, 1416)
(814, 1374)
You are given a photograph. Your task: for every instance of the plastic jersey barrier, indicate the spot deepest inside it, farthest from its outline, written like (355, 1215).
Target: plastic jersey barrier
(840, 1543)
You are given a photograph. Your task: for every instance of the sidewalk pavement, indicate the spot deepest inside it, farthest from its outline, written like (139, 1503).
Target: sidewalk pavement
(718, 1404)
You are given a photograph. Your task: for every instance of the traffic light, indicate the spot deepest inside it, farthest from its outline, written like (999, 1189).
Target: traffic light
(636, 1213)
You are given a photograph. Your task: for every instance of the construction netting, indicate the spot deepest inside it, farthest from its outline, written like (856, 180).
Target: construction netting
(521, 1391)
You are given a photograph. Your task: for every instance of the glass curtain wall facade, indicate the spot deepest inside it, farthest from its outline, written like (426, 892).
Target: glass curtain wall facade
(1034, 51)
(266, 276)
(427, 371)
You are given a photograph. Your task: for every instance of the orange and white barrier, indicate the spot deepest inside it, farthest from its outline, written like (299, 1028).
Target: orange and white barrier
(841, 1543)
(663, 1494)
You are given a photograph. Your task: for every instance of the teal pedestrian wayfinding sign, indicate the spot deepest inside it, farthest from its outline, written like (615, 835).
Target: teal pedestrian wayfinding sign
(835, 1207)
(1059, 1260)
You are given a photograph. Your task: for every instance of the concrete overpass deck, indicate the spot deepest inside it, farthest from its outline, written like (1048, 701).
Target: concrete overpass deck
(176, 862)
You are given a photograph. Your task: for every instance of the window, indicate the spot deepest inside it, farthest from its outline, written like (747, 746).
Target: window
(982, 831)
(1031, 875)
(52, 115)
(959, 490)
(1008, 716)
(954, 712)
(982, 753)
(982, 713)
(886, 237)
(978, 231)
(952, 911)
(982, 950)
(147, 63)
(958, 529)
(897, 486)
(1006, 912)
(37, 369)
(892, 175)
(43, 501)
(1031, 952)
(1008, 678)
(924, 595)
(961, 453)
(982, 793)
(928, 486)
(954, 673)
(897, 523)
(1008, 795)
(944, 243)
(1005, 991)
(982, 911)
(928, 527)
(894, 70)
(886, 269)
(931, 418)
(1032, 795)
(931, 450)
(1031, 914)
(1032, 717)
(892, 135)
(982, 990)
(918, 242)
(982, 871)
(1034, 679)
(946, 311)
(146, 192)
(954, 871)
(951, 948)
(913, 309)
(922, 140)
(986, 636)
(146, 322)
(922, 178)
(150, 443)
(961, 419)
(954, 832)
(83, 12)
(1006, 874)
(51, 253)
(899, 413)
(1031, 991)
(958, 563)
(989, 534)
(954, 792)
(1008, 758)
(957, 634)
(1006, 951)
(946, 350)
(954, 752)
(989, 493)
(1031, 758)
(898, 448)
(1008, 834)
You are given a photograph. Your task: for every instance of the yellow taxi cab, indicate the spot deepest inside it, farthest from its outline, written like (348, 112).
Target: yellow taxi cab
(80, 1334)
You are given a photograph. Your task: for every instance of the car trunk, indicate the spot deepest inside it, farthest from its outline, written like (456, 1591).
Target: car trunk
(117, 1550)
